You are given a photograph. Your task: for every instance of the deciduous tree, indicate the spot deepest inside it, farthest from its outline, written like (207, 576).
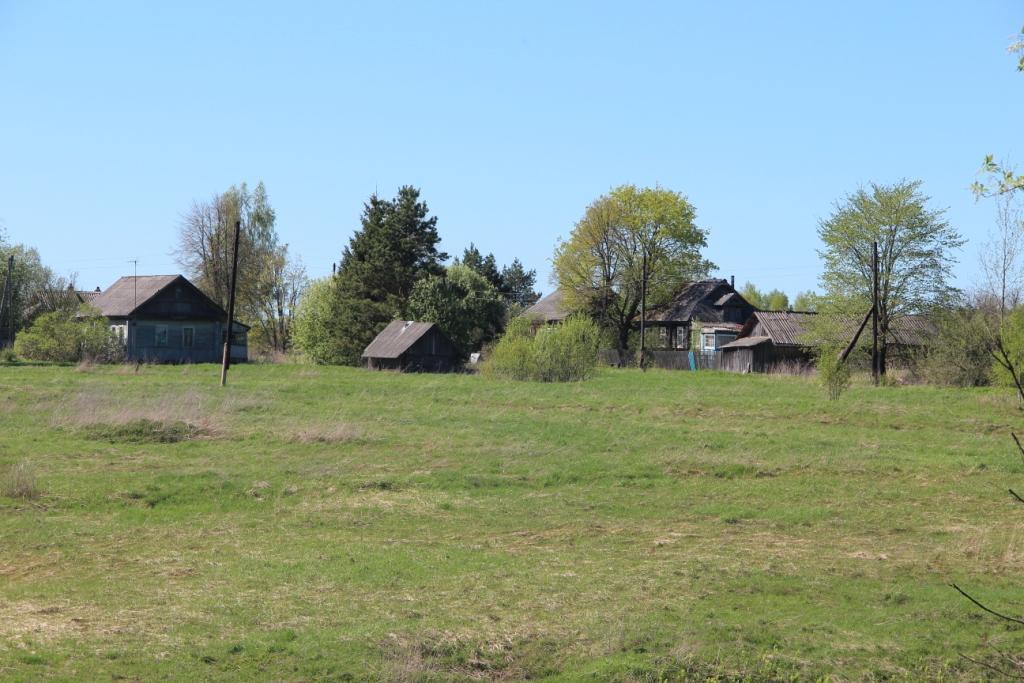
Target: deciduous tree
(467, 307)
(269, 280)
(916, 248)
(628, 241)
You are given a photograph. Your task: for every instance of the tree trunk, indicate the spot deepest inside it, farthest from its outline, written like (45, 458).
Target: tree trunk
(623, 344)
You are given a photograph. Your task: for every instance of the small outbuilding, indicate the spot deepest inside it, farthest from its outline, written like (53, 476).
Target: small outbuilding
(410, 346)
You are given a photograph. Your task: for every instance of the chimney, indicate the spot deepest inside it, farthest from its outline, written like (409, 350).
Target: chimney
(732, 281)
(97, 290)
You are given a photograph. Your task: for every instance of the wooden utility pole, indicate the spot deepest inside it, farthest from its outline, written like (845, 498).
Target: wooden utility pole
(5, 308)
(226, 362)
(643, 313)
(875, 366)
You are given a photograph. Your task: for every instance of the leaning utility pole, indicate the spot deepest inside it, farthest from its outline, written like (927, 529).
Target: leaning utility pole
(226, 362)
(876, 369)
(4, 306)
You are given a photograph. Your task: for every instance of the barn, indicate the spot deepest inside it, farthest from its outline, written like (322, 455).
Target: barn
(410, 346)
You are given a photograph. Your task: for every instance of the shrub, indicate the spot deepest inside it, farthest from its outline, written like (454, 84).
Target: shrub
(60, 337)
(834, 374)
(560, 353)
(20, 481)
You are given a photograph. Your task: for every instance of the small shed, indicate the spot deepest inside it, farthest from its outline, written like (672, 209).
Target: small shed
(409, 346)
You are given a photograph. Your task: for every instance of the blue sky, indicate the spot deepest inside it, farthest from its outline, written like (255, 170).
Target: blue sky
(511, 118)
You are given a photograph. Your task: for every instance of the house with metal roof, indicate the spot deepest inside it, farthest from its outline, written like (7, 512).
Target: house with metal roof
(410, 346)
(167, 319)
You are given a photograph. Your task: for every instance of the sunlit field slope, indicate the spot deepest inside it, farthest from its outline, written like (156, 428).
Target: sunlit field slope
(331, 523)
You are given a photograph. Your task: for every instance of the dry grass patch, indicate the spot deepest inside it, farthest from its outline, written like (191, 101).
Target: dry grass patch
(19, 481)
(166, 418)
(327, 433)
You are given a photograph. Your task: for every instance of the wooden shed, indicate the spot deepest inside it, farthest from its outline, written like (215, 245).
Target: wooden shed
(410, 346)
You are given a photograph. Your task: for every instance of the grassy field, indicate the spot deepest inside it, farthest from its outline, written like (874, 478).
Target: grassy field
(331, 523)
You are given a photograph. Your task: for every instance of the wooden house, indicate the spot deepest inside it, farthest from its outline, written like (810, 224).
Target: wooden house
(167, 319)
(773, 338)
(410, 346)
(702, 317)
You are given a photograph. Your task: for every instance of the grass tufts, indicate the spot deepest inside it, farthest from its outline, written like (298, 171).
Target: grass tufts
(145, 431)
(19, 481)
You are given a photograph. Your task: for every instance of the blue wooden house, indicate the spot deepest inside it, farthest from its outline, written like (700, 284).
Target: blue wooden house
(167, 319)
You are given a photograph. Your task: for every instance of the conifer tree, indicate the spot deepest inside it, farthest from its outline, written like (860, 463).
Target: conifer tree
(395, 248)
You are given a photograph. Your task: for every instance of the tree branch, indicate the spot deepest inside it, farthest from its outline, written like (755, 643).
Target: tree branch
(987, 609)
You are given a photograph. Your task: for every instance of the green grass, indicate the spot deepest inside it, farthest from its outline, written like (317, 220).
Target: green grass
(330, 523)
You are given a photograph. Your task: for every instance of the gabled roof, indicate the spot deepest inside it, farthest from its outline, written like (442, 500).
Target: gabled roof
(397, 338)
(129, 293)
(701, 300)
(549, 309)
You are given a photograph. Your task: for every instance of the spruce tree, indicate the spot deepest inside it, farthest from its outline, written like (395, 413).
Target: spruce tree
(395, 248)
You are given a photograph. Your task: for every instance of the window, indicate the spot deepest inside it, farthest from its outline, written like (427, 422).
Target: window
(682, 338)
(709, 341)
(188, 335)
(160, 335)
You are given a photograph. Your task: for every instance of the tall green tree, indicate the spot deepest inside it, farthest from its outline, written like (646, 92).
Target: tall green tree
(517, 286)
(487, 266)
(629, 241)
(513, 281)
(394, 249)
(916, 248)
(468, 308)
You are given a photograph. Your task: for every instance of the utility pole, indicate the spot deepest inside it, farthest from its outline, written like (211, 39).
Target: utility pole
(643, 313)
(875, 365)
(4, 306)
(226, 362)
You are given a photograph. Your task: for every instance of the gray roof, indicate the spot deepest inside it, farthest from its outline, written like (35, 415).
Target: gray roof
(549, 309)
(87, 297)
(746, 342)
(788, 328)
(124, 297)
(121, 299)
(702, 300)
(396, 339)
